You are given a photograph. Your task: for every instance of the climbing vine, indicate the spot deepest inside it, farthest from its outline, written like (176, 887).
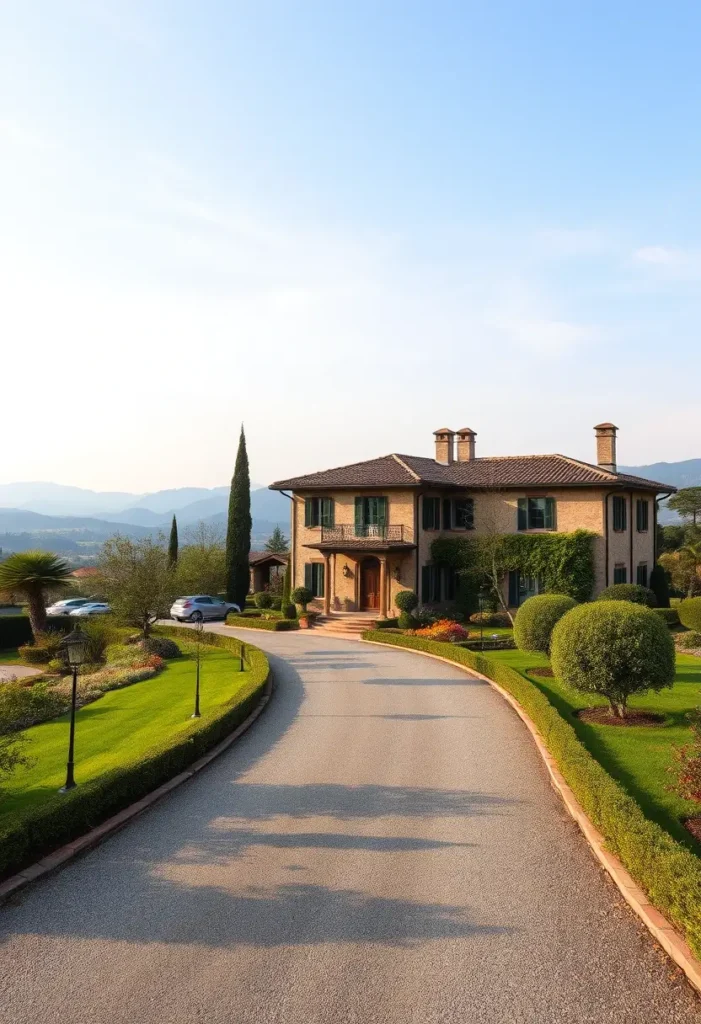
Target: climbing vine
(564, 561)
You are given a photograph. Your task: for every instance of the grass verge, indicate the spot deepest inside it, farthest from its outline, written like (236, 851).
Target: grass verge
(663, 866)
(127, 743)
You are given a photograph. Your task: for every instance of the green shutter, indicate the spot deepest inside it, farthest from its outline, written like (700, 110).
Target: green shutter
(523, 513)
(447, 517)
(359, 517)
(382, 512)
(309, 576)
(320, 579)
(549, 513)
(426, 583)
(514, 588)
(308, 512)
(426, 522)
(327, 511)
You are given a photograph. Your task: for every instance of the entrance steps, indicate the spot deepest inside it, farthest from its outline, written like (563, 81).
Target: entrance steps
(349, 623)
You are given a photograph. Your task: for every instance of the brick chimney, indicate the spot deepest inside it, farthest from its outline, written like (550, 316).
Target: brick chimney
(606, 446)
(444, 446)
(466, 445)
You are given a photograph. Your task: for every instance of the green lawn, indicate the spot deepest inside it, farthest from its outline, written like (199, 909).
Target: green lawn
(638, 757)
(10, 657)
(121, 726)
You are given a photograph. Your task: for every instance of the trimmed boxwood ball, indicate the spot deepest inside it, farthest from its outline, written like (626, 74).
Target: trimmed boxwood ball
(690, 613)
(406, 601)
(302, 596)
(263, 599)
(536, 619)
(407, 621)
(615, 648)
(629, 592)
(163, 646)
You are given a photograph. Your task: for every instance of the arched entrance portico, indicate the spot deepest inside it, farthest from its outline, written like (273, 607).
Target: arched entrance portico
(369, 584)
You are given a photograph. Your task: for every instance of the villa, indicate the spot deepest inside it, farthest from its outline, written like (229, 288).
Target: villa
(363, 532)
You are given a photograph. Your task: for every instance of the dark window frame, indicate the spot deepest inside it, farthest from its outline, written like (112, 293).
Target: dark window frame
(620, 573)
(318, 511)
(641, 574)
(314, 578)
(642, 515)
(620, 513)
(431, 584)
(430, 513)
(530, 514)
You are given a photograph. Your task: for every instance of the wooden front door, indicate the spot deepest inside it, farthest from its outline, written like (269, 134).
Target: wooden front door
(370, 585)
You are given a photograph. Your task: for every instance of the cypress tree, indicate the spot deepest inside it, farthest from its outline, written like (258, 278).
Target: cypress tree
(238, 534)
(173, 544)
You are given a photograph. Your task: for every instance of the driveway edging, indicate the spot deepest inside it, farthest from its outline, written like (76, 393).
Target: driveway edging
(95, 836)
(662, 930)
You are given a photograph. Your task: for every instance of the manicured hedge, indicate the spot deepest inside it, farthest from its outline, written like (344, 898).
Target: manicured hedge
(16, 630)
(632, 592)
(252, 622)
(690, 613)
(670, 616)
(669, 873)
(386, 623)
(25, 838)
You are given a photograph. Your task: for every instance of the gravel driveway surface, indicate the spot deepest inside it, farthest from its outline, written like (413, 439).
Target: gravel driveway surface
(382, 846)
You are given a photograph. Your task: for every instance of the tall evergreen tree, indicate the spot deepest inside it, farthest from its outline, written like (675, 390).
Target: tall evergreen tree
(173, 544)
(238, 534)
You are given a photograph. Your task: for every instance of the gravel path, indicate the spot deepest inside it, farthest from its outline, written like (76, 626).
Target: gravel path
(382, 846)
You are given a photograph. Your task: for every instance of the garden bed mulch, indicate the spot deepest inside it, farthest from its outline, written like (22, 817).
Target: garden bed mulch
(693, 825)
(604, 716)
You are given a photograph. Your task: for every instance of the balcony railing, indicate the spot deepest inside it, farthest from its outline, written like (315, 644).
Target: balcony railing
(370, 533)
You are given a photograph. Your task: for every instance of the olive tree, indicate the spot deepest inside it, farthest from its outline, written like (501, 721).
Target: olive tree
(615, 648)
(137, 579)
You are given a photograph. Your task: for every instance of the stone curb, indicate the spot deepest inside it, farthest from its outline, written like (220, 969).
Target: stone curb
(96, 835)
(669, 937)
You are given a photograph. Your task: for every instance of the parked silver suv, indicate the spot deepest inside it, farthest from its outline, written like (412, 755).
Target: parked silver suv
(201, 608)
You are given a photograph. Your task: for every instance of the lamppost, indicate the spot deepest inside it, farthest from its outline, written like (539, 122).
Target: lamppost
(74, 649)
(198, 641)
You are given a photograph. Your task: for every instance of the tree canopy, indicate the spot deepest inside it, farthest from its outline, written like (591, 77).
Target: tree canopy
(687, 502)
(277, 542)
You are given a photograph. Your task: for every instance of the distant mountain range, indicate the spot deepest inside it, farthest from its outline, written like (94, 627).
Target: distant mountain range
(678, 474)
(76, 521)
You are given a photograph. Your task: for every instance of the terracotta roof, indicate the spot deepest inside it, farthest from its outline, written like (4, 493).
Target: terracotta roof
(256, 557)
(86, 571)
(500, 472)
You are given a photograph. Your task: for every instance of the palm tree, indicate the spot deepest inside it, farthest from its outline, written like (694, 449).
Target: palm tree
(691, 553)
(32, 573)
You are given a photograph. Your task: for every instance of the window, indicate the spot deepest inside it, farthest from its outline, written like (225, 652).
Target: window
(430, 584)
(318, 512)
(536, 513)
(370, 517)
(431, 516)
(458, 514)
(641, 575)
(642, 515)
(449, 583)
(203, 600)
(522, 587)
(620, 573)
(620, 517)
(314, 578)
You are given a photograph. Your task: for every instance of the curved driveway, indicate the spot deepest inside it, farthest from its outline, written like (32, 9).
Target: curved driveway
(382, 846)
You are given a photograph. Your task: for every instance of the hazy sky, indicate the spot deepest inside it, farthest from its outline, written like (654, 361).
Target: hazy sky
(346, 224)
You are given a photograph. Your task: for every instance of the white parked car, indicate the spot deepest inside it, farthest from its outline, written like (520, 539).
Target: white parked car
(201, 607)
(68, 606)
(92, 608)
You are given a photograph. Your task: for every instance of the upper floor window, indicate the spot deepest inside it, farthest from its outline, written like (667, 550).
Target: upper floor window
(642, 515)
(458, 514)
(620, 514)
(431, 514)
(370, 516)
(536, 513)
(318, 512)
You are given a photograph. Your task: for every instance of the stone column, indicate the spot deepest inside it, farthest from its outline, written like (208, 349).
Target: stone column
(383, 586)
(327, 584)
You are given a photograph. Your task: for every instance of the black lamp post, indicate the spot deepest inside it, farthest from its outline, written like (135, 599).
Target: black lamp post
(74, 649)
(198, 641)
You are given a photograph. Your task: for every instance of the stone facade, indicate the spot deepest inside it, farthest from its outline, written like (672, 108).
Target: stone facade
(497, 511)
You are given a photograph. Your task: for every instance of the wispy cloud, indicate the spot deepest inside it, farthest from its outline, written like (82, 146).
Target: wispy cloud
(669, 262)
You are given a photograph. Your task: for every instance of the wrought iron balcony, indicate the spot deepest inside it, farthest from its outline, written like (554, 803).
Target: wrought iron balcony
(370, 533)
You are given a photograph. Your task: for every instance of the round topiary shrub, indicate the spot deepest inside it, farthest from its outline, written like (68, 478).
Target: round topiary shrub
(615, 648)
(163, 646)
(302, 596)
(407, 621)
(289, 611)
(690, 613)
(406, 600)
(263, 599)
(629, 592)
(537, 618)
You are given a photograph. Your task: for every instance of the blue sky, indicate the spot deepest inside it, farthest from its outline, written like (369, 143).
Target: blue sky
(346, 225)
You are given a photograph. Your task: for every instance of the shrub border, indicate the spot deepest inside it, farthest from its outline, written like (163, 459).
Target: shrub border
(251, 622)
(254, 704)
(666, 872)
